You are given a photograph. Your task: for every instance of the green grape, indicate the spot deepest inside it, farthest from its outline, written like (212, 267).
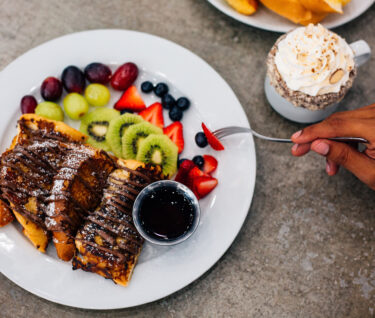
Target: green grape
(75, 105)
(50, 110)
(97, 94)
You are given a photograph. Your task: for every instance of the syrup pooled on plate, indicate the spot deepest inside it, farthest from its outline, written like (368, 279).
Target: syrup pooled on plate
(166, 213)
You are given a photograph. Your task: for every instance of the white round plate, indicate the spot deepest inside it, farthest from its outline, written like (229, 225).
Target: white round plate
(161, 270)
(268, 20)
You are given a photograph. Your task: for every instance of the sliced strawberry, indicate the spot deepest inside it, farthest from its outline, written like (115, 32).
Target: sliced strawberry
(187, 165)
(154, 114)
(175, 132)
(194, 178)
(130, 100)
(196, 172)
(210, 164)
(183, 171)
(203, 185)
(212, 140)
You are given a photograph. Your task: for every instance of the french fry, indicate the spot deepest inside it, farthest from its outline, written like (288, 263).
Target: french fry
(294, 11)
(246, 7)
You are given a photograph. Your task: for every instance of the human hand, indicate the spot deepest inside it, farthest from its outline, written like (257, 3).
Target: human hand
(355, 123)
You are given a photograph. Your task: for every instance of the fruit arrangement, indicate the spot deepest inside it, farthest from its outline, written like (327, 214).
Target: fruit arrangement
(130, 129)
(298, 11)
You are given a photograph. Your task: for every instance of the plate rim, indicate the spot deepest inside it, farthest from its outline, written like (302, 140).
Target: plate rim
(265, 26)
(252, 170)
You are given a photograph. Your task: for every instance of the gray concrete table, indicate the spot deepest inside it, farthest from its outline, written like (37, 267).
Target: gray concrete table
(307, 246)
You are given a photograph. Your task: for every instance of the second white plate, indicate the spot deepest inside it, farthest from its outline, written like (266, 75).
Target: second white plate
(268, 20)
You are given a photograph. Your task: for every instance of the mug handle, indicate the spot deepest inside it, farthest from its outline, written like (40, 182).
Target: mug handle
(362, 52)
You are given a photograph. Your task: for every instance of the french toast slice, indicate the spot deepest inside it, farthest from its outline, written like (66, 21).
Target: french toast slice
(31, 124)
(108, 243)
(27, 170)
(38, 159)
(77, 189)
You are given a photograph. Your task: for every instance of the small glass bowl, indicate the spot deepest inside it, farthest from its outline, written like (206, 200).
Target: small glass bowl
(178, 187)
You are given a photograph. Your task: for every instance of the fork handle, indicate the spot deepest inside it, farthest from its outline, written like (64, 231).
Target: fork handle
(350, 139)
(270, 138)
(340, 139)
(227, 131)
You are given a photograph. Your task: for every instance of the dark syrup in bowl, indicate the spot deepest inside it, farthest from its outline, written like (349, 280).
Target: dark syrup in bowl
(166, 213)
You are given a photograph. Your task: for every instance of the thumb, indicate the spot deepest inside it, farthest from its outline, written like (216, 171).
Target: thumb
(344, 155)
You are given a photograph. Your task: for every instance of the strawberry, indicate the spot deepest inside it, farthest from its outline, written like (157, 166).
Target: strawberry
(175, 132)
(196, 172)
(193, 174)
(130, 100)
(210, 164)
(198, 181)
(154, 114)
(183, 171)
(203, 185)
(212, 140)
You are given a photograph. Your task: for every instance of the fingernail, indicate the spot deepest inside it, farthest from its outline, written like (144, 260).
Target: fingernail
(297, 134)
(328, 168)
(321, 148)
(295, 147)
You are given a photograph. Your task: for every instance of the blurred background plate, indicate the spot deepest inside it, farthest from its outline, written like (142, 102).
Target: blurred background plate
(268, 20)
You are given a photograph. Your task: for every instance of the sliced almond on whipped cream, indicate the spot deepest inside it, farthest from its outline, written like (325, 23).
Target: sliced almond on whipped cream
(336, 76)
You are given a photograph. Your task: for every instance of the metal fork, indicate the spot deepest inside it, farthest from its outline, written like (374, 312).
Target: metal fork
(227, 131)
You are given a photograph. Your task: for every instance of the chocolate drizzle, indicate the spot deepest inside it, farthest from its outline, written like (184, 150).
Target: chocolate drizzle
(25, 174)
(43, 168)
(77, 189)
(109, 232)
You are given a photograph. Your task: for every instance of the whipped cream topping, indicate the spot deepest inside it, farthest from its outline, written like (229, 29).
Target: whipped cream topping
(314, 60)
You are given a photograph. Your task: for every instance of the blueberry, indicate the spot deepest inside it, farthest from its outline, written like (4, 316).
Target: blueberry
(147, 87)
(180, 161)
(175, 114)
(161, 89)
(168, 101)
(201, 139)
(124, 111)
(199, 161)
(183, 103)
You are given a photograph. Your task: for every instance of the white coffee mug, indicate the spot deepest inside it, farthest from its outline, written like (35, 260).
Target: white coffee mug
(362, 53)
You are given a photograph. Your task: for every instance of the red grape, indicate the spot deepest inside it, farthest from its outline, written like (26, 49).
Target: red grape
(28, 104)
(51, 89)
(124, 76)
(73, 79)
(98, 73)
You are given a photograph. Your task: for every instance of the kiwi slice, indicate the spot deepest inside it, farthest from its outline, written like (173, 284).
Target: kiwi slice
(133, 137)
(117, 128)
(159, 150)
(95, 125)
